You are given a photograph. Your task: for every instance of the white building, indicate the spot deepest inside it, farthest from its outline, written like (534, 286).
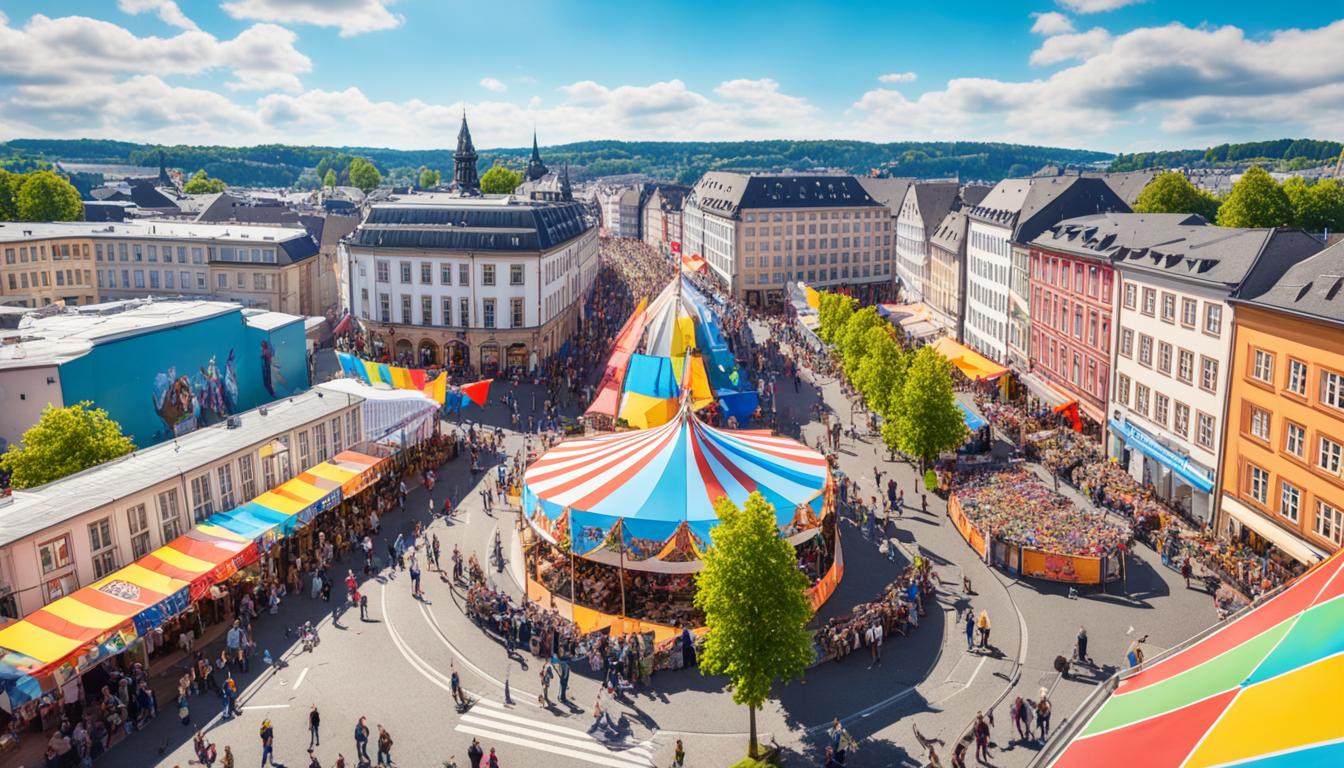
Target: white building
(1174, 340)
(917, 219)
(487, 281)
(620, 210)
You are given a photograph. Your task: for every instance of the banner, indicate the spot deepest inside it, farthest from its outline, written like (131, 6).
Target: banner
(417, 379)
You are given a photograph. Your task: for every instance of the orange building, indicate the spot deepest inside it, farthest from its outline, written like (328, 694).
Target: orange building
(1284, 452)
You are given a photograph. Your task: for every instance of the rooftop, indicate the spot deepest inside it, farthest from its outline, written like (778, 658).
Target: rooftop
(1310, 288)
(951, 232)
(1028, 206)
(726, 194)
(148, 229)
(444, 221)
(38, 509)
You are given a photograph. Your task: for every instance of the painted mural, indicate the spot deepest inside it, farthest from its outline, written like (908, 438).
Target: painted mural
(203, 398)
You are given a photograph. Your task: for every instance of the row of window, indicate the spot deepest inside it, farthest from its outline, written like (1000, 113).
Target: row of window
(1328, 522)
(813, 244)
(787, 260)
(1167, 354)
(517, 318)
(383, 273)
(24, 254)
(167, 280)
(1054, 311)
(152, 252)
(991, 243)
(63, 278)
(1069, 365)
(1146, 302)
(811, 229)
(1331, 386)
(814, 215)
(1327, 457)
(811, 275)
(1087, 279)
(1157, 407)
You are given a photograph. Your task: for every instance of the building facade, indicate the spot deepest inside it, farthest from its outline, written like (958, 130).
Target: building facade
(662, 216)
(947, 274)
(1284, 454)
(67, 534)
(490, 282)
(921, 211)
(758, 233)
(620, 210)
(46, 264)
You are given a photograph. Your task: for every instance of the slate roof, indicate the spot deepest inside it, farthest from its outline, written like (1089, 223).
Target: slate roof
(890, 192)
(471, 224)
(1311, 287)
(1181, 246)
(951, 234)
(1028, 206)
(935, 199)
(725, 193)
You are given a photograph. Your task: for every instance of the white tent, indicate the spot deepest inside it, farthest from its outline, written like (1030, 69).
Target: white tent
(400, 416)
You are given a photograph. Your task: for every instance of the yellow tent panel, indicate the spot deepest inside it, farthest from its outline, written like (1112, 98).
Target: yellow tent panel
(643, 411)
(701, 393)
(813, 298)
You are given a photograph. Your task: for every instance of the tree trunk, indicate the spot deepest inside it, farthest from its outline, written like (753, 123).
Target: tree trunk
(751, 747)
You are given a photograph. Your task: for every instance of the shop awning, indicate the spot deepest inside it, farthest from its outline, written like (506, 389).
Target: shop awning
(1055, 397)
(1146, 444)
(974, 421)
(972, 364)
(1292, 545)
(915, 319)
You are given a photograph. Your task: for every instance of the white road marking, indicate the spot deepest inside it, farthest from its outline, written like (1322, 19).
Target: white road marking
(498, 725)
(302, 675)
(265, 706)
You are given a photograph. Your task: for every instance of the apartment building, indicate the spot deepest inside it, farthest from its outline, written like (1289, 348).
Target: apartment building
(947, 274)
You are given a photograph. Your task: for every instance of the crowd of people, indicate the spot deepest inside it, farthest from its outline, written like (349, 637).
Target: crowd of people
(1015, 507)
(894, 614)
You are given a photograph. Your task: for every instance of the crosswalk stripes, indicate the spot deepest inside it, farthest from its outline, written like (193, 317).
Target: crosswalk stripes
(488, 721)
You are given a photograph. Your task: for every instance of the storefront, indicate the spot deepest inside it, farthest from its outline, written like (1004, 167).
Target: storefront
(490, 359)
(1245, 524)
(1175, 479)
(1054, 397)
(456, 354)
(516, 356)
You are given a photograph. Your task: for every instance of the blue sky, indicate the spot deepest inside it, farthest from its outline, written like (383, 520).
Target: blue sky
(1106, 74)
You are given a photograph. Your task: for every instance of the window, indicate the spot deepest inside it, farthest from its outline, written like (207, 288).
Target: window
(170, 516)
(1262, 366)
(426, 310)
(515, 313)
(1122, 390)
(1329, 456)
(352, 428)
(1329, 522)
(100, 544)
(1204, 434)
(426, 273)
(1259, 484)
(1130, 292)
(1149, 302)
(1332, 389)
(1185, 366)
(445, 274)
(515, 274)
(1290, 500)
(1180, 423)
(380, 271)
(1126, 342)
(1260, 423)
(138, 520)
(405, 309)
(335, 435)
(55, 554)
(1168, 307)
(1146, 350)
(1294, 438)
(405, 267)
(226, 500)
(487, 274)
(488, 313)
(320, 442)
(1297, 377)
(464, 312)
(1164, 358)
(1161, 406)
(1188, 312)
(202, 500)
(305, 450)
(168, 281)
(463, 274)
(1208, 374)
(247, 477)
(1213, 319)
(384, 308)
(1141, 393)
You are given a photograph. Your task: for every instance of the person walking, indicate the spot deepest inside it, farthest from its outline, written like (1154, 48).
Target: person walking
(1043, 715)
(1081, 651)
(969, 619)
(546, 674)
(475, 753)
(982, 624)
(362, 739)
(1186, 571)
(679, 755)
(384, 746)
(492, 761)
(312, 759)
(314, 721)
(227, 760)
(981, 731)
(267, 734)
(455, 683)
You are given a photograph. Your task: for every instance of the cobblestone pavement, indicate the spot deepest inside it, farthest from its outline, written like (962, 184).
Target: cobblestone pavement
(394, 666)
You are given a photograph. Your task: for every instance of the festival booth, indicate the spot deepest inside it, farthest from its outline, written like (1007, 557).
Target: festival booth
(1261, 689)
(970, 363)
(1015, 522)
(672, 341)
(400, 416)
(1056, 399)
(916, 321)
(621, 519)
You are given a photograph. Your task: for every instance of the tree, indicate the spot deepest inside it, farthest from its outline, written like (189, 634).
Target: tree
(881, 375)
(928, 421)
(1256, 200)
(329, 180)
(45, 196)
(755, 604)
(364, 174)
(1171, 192)
(62, 442)
(429, 178)
(201, 184)
(1316, 207)
(851, 340)
(9, 195)
(500, 181)
(832, 315)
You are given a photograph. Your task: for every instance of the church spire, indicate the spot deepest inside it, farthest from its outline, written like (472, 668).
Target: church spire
(464, 162)
(164, 178)
(535, 167)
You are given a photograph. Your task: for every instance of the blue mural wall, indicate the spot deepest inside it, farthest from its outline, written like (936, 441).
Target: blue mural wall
(172, 380)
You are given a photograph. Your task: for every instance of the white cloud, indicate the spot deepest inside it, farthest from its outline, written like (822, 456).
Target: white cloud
(1079, 46)
(897, 77)
(1095, 6)
(352, 17)
(493, 84)
(166, 10)
(1051, 23)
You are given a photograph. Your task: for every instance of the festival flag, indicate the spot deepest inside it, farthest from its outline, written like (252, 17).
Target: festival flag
(477, 392)
(344, 325)
(437, 389)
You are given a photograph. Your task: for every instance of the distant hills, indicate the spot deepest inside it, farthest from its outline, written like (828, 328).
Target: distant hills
(284, 165)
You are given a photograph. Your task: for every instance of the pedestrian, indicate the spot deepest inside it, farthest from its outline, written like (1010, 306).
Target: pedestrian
(384, 746)
(678, 755)
(364, 607)
(981, 731)
(455, 683)
(546, 674)
(267, 734)
(1021, 720)
(1186, 570)
(959, 755)
(1081, 651)
(1043, 715)
(227, 760)
(312, 759)
(492, 761)
(983, 625)
(362, 739)
(314, 722)
(475, 753)
(969, 618)
(564, 679)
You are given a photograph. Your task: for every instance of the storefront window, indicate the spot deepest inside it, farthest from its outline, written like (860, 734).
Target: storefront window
(55, 554)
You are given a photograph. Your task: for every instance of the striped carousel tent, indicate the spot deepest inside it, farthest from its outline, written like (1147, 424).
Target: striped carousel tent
(651, 493)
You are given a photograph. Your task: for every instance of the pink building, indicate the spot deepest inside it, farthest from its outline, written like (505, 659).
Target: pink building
(1072, 314)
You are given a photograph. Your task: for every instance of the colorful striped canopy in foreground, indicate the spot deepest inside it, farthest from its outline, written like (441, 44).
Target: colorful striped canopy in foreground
(649, 485)
(1262, 690)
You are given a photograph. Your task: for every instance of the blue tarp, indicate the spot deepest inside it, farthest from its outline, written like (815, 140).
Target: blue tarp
(651, 376)
(973, 420)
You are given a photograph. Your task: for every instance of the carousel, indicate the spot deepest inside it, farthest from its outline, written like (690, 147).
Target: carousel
(619, 521)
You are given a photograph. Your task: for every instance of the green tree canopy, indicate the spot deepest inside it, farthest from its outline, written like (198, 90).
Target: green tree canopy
(429, 178)
(9, 195)
(202, 184)
(1171, 192)
(62, 442)
(364, 174)
(45, 196)
(833, 313)
(755, 604)
(500, 181)
(1256, 200)
(1316, 207)
(881, 375)
(852, 339)
(329, 180)
(928, 421)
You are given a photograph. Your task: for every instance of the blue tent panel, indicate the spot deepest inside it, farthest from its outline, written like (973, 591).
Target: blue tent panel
(652, 376)
(973, 420)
